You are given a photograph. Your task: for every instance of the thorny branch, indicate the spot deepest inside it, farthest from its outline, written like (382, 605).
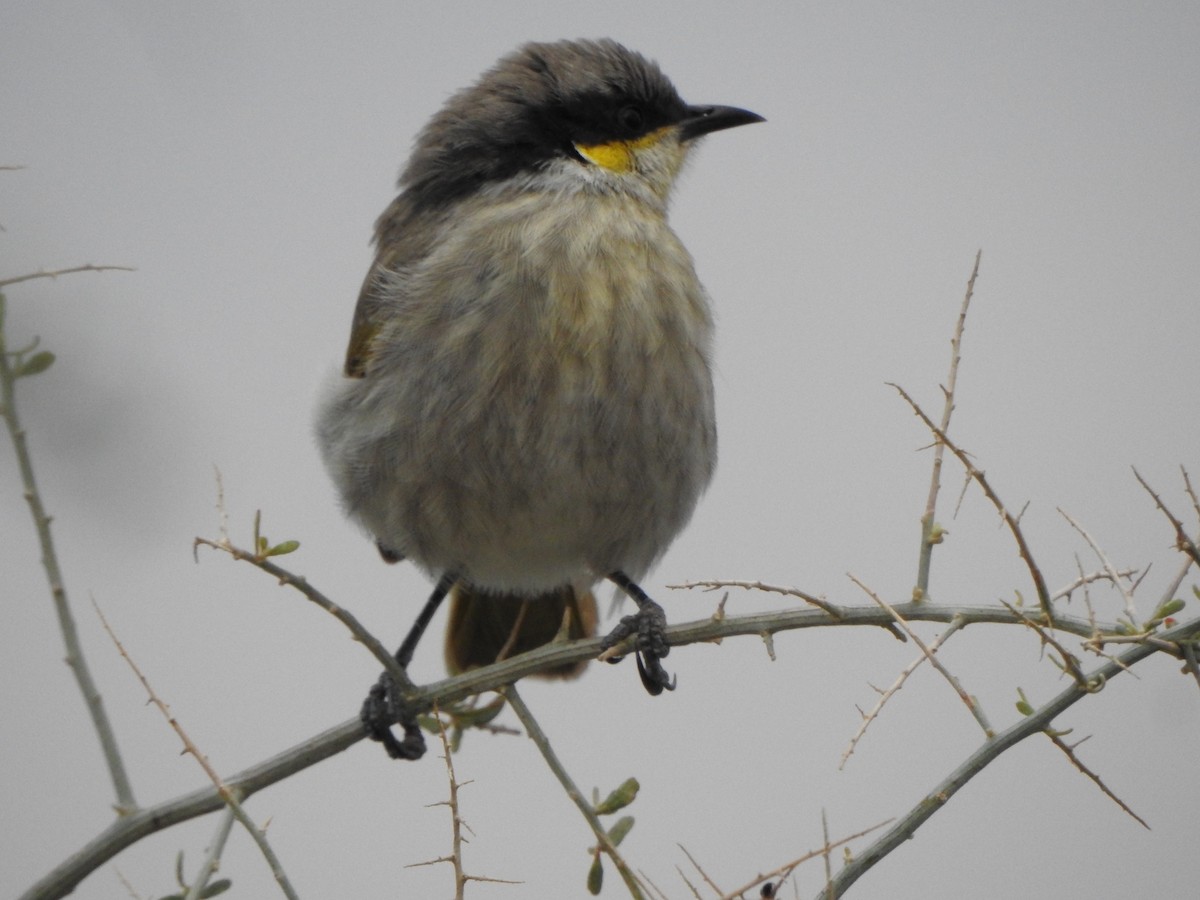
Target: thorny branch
(229, 796)
(1013, 524)
(12, 368)
(929, 535)
(886, 695)
(1069, 749)
(1037, 721)
(971, 703)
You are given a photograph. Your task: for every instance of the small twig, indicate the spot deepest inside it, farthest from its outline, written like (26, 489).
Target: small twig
(1014, 526)
(716, 584)
(75, 658)
(128, 887)
(1037, 721)
(651, 886)
(787, 868)
(928, 525)
(301, 584)
(886, 695)
(229, 796)
(1078, 763)
(712, 884)
(6, 282)
(971, 703)
(687, 881)
(1064, 593)
(1187, 486)
(1070, 663)
(1113, 574)
(534, 730)
(1182, 541)
(1085, 579)
(825, 850)
(457, 824)
(212, 858)
(222, 513)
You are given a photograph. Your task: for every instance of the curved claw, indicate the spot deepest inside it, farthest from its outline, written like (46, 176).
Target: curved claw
(648, 625)
(654, 677)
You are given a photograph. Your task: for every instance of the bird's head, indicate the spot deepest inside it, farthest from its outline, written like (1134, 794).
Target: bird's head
(571, 113)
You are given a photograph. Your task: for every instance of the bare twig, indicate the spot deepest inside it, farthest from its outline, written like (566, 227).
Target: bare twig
(1113, 575)
(929, 529)
(229, 796)
(1078, 763)
(786, 869)
(456, 824)
(825, 850)
(971, 703)
(1087, 599)
(1182, 541)
(886, 695)
(654, 888)
(75, 658)
(714, 584)
(1039, 720)
(686, 880)
(1014, 526)
(300, 583)
(213, 857)
(534, 730)
(1069, 662)
(6, 282)
(712, 884)
(1064, 593)
(1191, 492)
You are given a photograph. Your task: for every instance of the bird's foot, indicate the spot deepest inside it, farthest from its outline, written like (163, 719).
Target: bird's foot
(384, 706)
(649, 626)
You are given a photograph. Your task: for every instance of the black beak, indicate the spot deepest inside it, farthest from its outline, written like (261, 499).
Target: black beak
(702, 120)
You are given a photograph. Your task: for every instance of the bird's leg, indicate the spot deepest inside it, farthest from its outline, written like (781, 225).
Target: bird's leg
(385, 704)
(649, 623)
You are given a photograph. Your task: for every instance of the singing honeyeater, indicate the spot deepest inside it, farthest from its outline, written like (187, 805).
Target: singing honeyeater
(526, 407)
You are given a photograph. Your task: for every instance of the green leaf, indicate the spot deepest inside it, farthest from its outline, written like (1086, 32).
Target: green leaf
(469, 718)
(1169, 608)
(35, 365)
(617, 833)
(1024, 707)
(595, 879)
(217, 887)
(283, 548)
(620, 798)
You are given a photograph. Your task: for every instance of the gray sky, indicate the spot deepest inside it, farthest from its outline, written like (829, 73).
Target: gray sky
(237, 154)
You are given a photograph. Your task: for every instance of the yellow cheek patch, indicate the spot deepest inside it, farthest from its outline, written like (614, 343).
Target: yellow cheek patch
(620, 156)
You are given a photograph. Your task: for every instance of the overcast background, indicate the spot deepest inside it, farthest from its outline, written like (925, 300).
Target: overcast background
(237, 155)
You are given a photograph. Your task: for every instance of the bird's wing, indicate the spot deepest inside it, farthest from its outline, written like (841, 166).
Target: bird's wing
(403, 236)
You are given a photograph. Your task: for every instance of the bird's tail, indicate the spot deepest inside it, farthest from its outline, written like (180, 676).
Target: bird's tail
(486, 627)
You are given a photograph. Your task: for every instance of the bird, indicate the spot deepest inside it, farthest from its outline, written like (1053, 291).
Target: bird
(526, 405)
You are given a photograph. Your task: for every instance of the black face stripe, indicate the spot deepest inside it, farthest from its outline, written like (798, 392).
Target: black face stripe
(598, 117)
(533, 107)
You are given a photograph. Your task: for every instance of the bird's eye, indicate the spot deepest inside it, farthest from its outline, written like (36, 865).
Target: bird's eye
(630, 118)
